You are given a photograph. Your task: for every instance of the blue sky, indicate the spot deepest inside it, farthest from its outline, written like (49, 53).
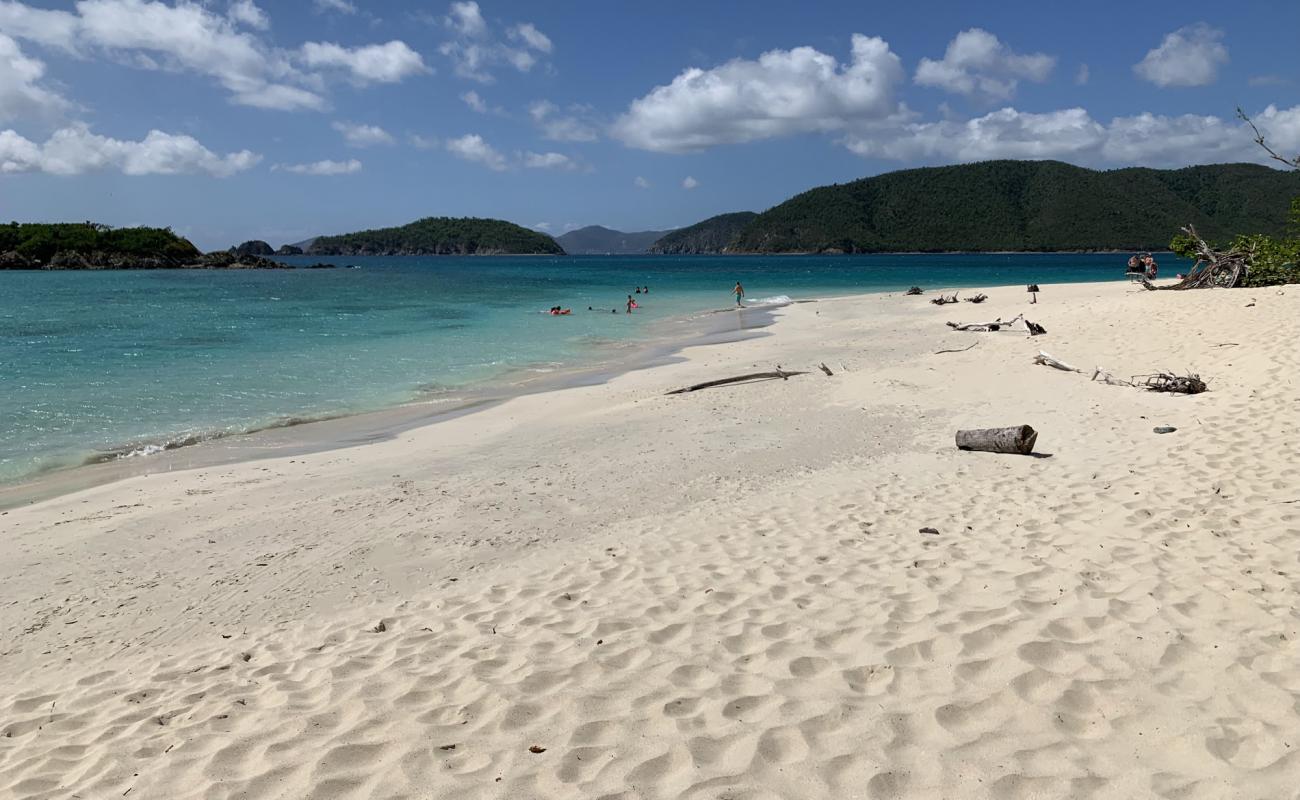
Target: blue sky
(281, 120)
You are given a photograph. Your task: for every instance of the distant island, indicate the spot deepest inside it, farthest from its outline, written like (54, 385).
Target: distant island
(595, 240)
(1007, 206)
(713, 235)
(439, 236)
(90, 246)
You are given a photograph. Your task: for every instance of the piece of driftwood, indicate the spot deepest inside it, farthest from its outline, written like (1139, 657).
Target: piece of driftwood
(914, 290)
(777, 373)
(996, 325)
(1034, 328)
(1049, 361)
(1213, 268)
(1019, 439)
(1169, 382)
(826, 369)
(943, 300)
(979, 298)
(958, 350)
(1158, 382)
(1104, 375)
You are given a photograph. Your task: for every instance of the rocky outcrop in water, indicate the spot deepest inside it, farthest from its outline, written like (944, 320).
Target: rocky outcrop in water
(289, 250)
(254, 247)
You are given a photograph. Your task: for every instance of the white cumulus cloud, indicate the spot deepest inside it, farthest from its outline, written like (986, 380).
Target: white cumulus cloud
(472, 147)
(49, 27)
(783, 92)
(339, 6)
(76, 150)
(572, 125)
(246, 12)
(1006, 133)
(475, 51)
(1190, 56)
(373, 63)
(475, 102)
(192, 37)
(978, 64)
(359, 135)
(326, 167)
(21, 94)
(1073, 135)
(640, 182)
(548, 161)
(689, 183)
(531, 37)
(1081, 77)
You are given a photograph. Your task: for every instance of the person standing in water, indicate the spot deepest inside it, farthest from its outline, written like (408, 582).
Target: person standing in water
(629, 304)
(739, 292)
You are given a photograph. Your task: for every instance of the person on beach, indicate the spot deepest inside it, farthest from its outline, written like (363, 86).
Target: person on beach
(1150, 264)
(629, 304)
(739, 292)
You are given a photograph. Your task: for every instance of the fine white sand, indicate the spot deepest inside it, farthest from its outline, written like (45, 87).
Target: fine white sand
(713, 595)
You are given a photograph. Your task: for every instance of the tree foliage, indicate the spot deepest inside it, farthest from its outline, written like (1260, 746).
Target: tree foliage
(43, 240)
(713, 235)
(1022, 205)
(439, 236)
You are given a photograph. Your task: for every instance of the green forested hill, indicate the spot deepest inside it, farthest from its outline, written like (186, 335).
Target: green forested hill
(40, 242)
(1023, 205)
(439, 236)
(713, 235)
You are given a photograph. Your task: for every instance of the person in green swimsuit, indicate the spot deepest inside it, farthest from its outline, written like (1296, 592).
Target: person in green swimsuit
(739, 291)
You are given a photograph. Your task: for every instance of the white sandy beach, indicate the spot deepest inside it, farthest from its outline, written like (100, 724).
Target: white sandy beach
(721, 594)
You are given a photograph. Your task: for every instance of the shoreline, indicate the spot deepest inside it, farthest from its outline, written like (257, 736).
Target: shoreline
(297, 435)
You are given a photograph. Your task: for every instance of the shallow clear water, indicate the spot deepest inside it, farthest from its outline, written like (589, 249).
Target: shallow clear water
(94, 362)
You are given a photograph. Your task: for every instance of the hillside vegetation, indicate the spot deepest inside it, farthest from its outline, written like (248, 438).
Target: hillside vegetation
(439, 236)
(599, 240)
(35, 242)
(713, 235)
(1019, 205)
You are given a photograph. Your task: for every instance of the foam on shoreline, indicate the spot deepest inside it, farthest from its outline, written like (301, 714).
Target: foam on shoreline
(294, 434)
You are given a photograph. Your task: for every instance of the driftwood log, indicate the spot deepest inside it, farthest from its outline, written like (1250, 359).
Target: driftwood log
(1019, 440)
(914, 290)
(996, 325)
(979, 298)
(943, 300)
(754, 376)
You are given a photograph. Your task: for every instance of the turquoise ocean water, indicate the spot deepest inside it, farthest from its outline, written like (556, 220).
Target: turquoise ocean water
(100, 363)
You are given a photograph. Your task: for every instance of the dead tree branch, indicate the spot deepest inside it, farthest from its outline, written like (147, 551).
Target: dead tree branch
(1293, 163)
(958, 350)
(1213, 269)
(778, 373)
